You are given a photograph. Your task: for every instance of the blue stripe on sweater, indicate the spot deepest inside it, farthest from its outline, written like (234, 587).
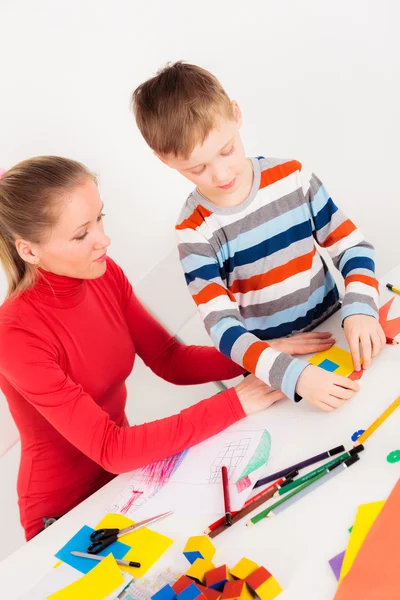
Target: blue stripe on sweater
(292, 313)
(229, 338)
(269, 247)
(301, 322)
(356, 252)
(324, 216)
(361, 262)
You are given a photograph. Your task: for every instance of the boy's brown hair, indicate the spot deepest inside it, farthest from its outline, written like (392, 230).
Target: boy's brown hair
(176, 109)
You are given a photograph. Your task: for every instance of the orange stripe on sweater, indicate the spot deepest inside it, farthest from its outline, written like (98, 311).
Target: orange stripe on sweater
(211, 291)
(197, 217)
(279, 172)
(252, 354)
(339, 233)
(362, 279)
(259, 282)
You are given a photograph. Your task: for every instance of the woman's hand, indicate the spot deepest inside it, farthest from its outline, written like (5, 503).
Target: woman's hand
(304, 343)
(255, 395)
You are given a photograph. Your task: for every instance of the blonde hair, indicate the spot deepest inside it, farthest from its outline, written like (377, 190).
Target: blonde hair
(177, 108)
(29, 198)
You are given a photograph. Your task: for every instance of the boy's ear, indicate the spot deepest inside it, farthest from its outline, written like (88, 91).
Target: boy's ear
(237, 113)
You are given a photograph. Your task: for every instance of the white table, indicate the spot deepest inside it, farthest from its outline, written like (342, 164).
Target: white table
(297, 544)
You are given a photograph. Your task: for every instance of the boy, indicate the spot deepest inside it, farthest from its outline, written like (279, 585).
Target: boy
(246, 238)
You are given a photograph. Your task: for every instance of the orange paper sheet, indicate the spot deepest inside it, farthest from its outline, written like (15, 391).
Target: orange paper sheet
(375, 571)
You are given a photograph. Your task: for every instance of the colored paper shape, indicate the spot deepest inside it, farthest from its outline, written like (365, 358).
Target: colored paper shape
(80, 542)
(391, 327)
(101, 581)
(366, 516)
(144, 546)
(335, 564)
(335, 356)
(375, 571)
(328, 365)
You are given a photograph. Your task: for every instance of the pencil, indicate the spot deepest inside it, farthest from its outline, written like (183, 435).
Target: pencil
(300, 465)
(250, 505)
(368, 432)
(296, 482)
(391, 341)
(250, 502)
(303, 490)
(227, 500)
(392, 288)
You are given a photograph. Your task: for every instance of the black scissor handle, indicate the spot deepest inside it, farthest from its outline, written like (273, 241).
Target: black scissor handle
(101, 544)
(101, 534)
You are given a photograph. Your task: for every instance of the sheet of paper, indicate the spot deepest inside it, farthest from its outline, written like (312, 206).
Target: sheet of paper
(145, 545)
(53, 581)
(366, 516)
(375, 571)
(80, 542)
(145, 588)
(101, 581)
(193, 485)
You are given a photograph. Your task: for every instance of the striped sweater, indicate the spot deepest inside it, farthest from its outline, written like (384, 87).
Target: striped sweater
(255, 272)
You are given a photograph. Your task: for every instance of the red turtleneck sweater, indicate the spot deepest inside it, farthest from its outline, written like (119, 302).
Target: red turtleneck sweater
(66, 349)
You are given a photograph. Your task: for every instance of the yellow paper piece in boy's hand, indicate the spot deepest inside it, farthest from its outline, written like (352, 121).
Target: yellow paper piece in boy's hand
(336, 360)
(99, 583)
(365, 518)
(147, 545)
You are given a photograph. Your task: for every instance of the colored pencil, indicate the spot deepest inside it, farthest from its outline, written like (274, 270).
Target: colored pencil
(251, 504)
(277, 484)
(368, 432)
(300, 465)
(392, 288)
(303, 490)
(391, 341)
(296, 482)
(227, 500)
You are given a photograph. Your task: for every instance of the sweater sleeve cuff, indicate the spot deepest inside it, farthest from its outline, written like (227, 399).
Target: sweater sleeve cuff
(291, 376)
(358, 308)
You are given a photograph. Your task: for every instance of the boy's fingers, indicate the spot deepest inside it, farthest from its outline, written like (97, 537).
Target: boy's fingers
(376, 344)
(366, 350)
(346, 383)
(354, 344)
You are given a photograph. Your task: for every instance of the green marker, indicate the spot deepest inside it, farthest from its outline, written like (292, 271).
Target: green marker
(296, 482)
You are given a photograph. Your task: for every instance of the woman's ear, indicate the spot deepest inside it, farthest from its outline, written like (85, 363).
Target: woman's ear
(27, 251)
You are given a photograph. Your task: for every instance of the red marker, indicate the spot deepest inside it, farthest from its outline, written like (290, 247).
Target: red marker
(391, 341)
(227, 501)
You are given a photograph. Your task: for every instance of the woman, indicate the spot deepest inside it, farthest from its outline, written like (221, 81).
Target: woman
(69, 332)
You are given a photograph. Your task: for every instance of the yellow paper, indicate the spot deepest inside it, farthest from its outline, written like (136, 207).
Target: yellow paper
(365, 518)
(99, 583)
(338, 356)
(147, 545)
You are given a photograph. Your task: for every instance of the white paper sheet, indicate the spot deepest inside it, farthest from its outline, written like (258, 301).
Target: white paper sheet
(191, 482)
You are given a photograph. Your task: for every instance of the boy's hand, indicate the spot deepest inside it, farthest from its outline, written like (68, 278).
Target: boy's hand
(364, 331)
(304, 343)
(325, 390)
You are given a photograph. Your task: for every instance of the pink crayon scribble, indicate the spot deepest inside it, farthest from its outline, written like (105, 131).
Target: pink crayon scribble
(135, 495)
(152, 478)
(243, 484)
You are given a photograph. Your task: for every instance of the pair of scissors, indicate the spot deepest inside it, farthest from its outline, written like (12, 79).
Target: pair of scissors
(102, 538)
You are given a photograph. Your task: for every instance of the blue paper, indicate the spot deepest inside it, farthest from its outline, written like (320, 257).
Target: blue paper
(328, 365)
(80, 543)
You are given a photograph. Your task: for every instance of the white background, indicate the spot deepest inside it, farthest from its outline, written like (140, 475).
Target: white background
(317, 81)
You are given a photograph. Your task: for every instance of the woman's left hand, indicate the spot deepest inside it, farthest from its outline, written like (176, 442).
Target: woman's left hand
(304, 343)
